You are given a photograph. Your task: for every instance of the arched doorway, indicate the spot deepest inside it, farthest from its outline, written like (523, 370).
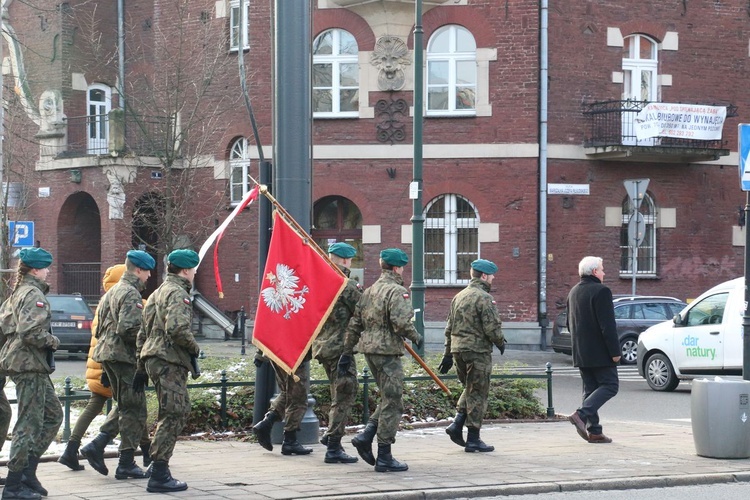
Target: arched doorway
(147, 214)
(336, 218)
(79, 247)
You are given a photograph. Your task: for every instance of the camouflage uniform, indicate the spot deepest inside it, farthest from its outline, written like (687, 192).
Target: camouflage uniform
(327, 348)
(119, 317)
(24, 358)
(165, 346)
(473, 326)
(291, 402)
(383, 319)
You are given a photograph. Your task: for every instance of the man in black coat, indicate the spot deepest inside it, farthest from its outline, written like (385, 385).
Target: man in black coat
(596, 349)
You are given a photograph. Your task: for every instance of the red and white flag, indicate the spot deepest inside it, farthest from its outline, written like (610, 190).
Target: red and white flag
(298, 292)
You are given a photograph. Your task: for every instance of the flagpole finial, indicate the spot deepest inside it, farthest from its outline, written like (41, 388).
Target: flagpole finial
(263, 188)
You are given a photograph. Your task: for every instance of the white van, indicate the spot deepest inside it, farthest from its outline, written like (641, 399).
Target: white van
(705, 338)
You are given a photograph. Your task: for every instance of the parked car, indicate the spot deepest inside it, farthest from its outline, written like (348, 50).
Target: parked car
(704, 339)
(633, 315)
(71, 322)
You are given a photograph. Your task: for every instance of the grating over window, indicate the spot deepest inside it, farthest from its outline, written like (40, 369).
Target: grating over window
(451, 239)
(647, 249)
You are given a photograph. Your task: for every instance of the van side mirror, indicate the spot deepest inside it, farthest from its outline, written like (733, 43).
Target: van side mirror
(677, 320)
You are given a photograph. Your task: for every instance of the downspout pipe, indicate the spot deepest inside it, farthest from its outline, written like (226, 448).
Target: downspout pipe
(543, 99)
(121, 51)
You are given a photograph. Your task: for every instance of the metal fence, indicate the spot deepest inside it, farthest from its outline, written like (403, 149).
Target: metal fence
(224, 385)
(104, 135)
(83, 278)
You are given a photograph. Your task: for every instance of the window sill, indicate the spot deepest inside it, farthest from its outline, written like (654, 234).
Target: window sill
(335, 116)
(645, 276)
(451, 114)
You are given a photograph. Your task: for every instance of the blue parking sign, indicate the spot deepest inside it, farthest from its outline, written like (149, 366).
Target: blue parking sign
(743, 134)
(21, 233)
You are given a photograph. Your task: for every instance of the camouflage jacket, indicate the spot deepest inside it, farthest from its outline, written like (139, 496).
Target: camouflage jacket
(165, 332)
(25, 349)
(119, 314)
(382, 318)
(473, 323)
(330, 341)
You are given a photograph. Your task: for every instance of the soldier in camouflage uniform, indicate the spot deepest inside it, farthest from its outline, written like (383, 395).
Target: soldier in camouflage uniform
(327, 348)
(473, 326)
(166, 352)
(6, 413)
(24, 357)
(119, 317)
(382, 319)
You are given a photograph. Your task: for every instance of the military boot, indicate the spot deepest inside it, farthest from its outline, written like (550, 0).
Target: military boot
(456, 429)
(161, 480)
(473, 443)
(127, 468)
(145, 449)
(291, 446)
(94, 453)
(336, 454)
(363, 442)
(262, 430)
(69, 457)
(386, 462)
(29, 479)
(324, 440)
(16, 490)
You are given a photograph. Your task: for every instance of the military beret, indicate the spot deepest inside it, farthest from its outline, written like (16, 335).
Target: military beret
(394, 257)
(183, 258)
(484, 266)
(35, 257)
(141, 259)
(343, 250)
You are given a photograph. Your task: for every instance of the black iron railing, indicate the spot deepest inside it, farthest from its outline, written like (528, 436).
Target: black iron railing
(114, 134)
(83, 278)
(611, 123)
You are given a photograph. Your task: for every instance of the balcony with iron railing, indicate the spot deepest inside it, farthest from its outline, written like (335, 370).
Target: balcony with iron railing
(118, 133)
(611, 135)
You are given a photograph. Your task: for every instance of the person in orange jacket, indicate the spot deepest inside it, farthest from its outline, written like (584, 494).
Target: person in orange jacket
(99, 393)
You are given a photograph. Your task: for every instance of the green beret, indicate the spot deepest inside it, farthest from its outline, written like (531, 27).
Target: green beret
(394, 257)
(35, 257)
(141, 259)
(343, 250)
(484, 266)
(183, 258)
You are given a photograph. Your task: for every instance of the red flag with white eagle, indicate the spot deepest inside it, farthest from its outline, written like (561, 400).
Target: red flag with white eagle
(298, 292)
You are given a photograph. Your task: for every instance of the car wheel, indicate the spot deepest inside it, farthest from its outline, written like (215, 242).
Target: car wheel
(660, 375)
(629, 350)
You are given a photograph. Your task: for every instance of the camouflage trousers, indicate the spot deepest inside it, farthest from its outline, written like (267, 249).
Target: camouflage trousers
(131, 414)
(39, 418)
(389, 375)
(170, 382)
(6, 412)
(343, 394)
(93, 408)
(291, 403)
(474, 370)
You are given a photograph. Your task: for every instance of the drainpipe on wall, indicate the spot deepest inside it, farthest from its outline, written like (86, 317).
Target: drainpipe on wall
(543, 97)
(121, 51)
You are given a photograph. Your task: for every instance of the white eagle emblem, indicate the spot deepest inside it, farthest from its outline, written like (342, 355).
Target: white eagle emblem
(283, 293)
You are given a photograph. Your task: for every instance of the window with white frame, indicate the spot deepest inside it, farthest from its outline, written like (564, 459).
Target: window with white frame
(639, 85)
(238, 31)
(335, 74)
(647, 249)
(451, 72)
(451, 239)
(98, 104)
(239, 170)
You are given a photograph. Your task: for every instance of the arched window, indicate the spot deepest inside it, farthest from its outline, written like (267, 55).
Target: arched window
(639, 70)
(239, 170)
(336, 218)
(451, 72)
(647, 249)
(335, 74)
(451, 239)
(98, 105)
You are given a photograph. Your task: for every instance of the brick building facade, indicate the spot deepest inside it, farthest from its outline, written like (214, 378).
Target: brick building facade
(481, 137)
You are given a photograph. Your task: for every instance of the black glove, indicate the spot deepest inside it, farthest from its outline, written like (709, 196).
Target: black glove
(420, 342)
(258, 361)
(104, 379)
(501, 347)
(446, 364)
(2, 382)
(140, 381)
(345, 361)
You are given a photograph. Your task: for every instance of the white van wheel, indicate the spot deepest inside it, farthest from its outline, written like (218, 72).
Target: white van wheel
(660, 375)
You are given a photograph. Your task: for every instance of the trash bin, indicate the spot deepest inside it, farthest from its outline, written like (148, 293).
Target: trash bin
(720, 413)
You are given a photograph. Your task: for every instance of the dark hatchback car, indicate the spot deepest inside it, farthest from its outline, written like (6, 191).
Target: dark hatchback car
(633, 316)
(71, 322)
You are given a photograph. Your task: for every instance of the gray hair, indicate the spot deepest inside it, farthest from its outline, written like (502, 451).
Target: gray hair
(588, 264)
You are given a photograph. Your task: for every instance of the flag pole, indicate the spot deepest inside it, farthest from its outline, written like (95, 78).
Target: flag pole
(264, 190)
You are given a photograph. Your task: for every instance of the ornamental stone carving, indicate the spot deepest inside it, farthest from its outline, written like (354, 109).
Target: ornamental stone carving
(390, 56)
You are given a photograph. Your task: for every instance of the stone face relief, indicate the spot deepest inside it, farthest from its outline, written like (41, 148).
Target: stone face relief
(50, 111)
(390, 56)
